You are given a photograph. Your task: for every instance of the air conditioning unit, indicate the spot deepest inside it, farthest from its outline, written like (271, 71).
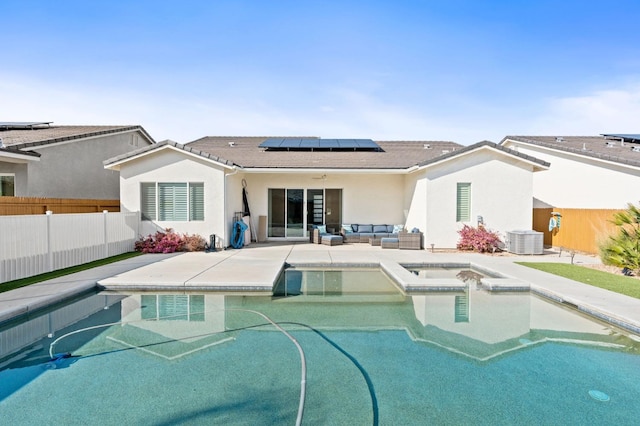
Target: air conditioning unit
(525, 242)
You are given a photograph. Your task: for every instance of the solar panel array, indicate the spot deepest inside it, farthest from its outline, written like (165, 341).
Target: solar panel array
(626, 137)
(310, 144)
(7, 125)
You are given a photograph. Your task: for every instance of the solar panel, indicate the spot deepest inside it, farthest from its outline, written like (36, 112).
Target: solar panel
(311, 144)
(271, 143)
(626, 136)
(23, 124)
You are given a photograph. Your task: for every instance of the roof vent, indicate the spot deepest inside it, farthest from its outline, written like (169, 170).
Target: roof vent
(427, 146)
(559, 139)
(610, 144)
(445, 151)
(584, 146)
(232, 144)
(635, 149)
(1, 143)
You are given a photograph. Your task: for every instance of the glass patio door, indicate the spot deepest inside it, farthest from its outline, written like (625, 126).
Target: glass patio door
(286, 213)
(290, 213)
(295, 213)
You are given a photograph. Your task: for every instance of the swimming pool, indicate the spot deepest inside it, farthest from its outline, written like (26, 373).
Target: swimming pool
(379, 357)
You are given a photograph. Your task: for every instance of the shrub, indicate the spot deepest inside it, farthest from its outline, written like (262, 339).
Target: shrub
(169, 242)
(478, 239)
(623, 248)
(194, 242)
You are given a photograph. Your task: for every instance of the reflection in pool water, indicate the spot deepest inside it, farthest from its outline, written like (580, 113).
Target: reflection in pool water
(469, 357)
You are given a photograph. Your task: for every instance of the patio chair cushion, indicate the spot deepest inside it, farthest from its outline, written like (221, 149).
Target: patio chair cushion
(365, 229)
(380, 229)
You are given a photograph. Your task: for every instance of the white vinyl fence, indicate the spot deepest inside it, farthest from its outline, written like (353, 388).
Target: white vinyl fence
(34, 244)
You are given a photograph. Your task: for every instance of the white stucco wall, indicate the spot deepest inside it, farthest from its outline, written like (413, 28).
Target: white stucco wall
(170, 165)
(366, 198)
(574, 181)
(74, 169)
(501, 192)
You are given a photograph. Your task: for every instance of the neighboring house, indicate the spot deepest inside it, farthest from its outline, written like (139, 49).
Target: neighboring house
(590, 178)
(42, 160)
(587, 172)
(294, 183)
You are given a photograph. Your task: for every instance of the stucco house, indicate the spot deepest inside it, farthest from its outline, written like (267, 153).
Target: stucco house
(589, 179)
(38, 159)
(295, 182)
(589, 172)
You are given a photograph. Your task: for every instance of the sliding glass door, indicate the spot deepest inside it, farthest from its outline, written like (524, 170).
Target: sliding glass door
(293, 211)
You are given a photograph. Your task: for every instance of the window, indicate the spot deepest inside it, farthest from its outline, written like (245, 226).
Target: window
(463, 202)
(7, 185)
(172, 201)
(148, 200)
(196, 201)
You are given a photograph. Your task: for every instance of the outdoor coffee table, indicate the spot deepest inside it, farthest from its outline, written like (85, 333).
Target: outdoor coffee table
(375, 241)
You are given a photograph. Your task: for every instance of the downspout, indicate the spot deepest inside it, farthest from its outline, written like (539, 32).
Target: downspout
(235, 170)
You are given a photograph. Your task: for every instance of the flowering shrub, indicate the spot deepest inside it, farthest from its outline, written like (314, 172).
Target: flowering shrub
(194, 242)
(478, 239)
(169, 242)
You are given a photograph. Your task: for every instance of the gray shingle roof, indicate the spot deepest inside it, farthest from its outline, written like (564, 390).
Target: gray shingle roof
(588, 146)
(27, 138)
(245, 152)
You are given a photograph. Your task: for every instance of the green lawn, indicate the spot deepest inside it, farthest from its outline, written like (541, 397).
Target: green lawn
(11, 285)
(618, 283)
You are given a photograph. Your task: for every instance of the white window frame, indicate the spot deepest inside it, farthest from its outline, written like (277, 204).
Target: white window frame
(461, 215)
(190, 212)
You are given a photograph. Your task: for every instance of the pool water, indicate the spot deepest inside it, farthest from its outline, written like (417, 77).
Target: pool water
(377, 357)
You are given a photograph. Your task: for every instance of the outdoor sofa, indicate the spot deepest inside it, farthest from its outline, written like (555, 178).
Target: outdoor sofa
(361, 233)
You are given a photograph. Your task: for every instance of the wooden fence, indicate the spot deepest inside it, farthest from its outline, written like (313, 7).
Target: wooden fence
(580, 229)
(31, 205)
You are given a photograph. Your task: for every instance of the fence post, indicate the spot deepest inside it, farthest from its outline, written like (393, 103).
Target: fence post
(49, 251)
(106, 240)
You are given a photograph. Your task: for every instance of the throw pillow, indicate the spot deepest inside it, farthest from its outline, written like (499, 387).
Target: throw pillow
(347, 228)
(322, 229)
(398, 228)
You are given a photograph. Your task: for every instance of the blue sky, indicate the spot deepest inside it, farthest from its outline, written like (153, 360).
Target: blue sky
(388, 70)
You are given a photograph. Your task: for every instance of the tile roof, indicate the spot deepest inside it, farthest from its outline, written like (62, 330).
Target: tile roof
(27, 138)
(161, 144)
(588, 146)
(245, 152)
(490, 145)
